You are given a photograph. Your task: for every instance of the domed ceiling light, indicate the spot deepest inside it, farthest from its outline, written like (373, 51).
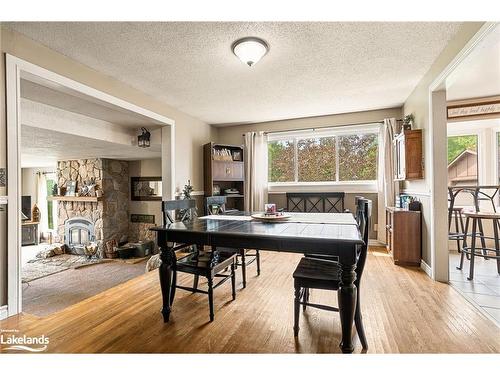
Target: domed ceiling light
(250, 50)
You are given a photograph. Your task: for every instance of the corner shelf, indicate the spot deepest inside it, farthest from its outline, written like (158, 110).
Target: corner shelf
(75, 199)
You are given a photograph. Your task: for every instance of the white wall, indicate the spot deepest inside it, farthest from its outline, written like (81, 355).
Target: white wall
(418, 104)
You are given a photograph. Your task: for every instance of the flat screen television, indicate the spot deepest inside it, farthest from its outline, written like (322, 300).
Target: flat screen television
(26, 206)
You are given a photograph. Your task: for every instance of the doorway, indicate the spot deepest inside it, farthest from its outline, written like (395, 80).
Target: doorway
(465, 161)
(25, 81)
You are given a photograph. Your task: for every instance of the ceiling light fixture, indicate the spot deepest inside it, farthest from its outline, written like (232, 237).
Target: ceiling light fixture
(250, 50)
(144, 139)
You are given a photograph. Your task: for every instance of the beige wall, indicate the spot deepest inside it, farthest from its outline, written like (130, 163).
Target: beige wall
(233, 134)
(190, 135)
(3, 190)
(418, 104)
(146, 168)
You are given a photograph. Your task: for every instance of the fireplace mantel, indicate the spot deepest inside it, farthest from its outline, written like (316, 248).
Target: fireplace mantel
(74, 199)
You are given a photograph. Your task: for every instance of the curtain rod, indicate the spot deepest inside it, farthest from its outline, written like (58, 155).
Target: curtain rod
(323, 127)
(46, 172)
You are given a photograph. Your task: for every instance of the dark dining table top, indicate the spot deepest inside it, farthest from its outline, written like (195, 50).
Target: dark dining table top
(345, 231)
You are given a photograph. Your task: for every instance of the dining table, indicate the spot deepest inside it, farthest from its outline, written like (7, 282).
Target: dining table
(332, 234)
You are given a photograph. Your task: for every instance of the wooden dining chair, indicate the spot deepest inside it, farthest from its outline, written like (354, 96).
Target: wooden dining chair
(314, 273)
(209, 264)
(216, 205)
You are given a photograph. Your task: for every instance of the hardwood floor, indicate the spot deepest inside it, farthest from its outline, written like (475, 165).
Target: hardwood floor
(403, 311)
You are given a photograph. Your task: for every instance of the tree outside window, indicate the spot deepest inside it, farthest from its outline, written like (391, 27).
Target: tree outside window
(341, 158)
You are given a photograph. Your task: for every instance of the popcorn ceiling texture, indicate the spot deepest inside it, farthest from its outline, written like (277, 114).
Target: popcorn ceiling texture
(312, 68)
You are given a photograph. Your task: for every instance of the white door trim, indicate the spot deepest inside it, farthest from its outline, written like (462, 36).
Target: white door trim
(439, 227)
(14, 67)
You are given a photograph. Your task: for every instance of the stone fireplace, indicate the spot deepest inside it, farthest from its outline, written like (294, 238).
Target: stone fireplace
(81, 222)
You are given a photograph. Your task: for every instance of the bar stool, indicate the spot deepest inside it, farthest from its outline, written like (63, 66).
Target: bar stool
(482, 251)
(458, 235)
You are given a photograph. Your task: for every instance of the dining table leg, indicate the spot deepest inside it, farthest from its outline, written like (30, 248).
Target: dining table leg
(347, 295)
(167, 278)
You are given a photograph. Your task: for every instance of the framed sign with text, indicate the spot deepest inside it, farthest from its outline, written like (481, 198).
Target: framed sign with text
(474, 109)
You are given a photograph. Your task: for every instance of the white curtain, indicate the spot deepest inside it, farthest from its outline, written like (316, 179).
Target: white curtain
(387, 187)
(41, 202)
(256, 171)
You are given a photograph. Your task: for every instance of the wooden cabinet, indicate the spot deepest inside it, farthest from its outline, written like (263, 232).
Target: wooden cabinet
(408, 162)
(404, 236)
(224, 169)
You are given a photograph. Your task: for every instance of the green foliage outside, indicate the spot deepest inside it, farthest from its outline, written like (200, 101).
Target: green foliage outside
(50, 186)
(358, 156)
(458, 144)
(316, 158)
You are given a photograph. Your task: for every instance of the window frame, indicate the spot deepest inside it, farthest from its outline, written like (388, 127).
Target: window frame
(347, 185)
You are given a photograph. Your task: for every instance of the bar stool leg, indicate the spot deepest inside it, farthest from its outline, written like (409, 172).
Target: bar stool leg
(464, 244)
(483, 240)
(473, 249)
(457, 231)
(496, 224)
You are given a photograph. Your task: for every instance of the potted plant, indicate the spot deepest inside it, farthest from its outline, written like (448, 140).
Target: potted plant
(408, 121)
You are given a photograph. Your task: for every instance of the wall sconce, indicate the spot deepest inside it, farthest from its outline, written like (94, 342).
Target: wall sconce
(144, 139)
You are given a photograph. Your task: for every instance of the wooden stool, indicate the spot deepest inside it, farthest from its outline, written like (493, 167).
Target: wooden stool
(458, 235)
(484, 251)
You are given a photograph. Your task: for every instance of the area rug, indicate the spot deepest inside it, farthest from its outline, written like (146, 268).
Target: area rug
(55, 292)
(38, 268)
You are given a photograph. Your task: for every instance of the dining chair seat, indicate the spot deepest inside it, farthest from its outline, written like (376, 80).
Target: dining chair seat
(203, 265)
(317, 273)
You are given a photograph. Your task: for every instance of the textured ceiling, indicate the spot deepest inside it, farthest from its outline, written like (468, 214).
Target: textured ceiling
(41, 147)
(311, 68)
(479, 74)
(84, 105)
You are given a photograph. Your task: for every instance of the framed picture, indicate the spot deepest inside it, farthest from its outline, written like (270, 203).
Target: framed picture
(237, 155)
(145, 188)
(474, 109)
(70, 188)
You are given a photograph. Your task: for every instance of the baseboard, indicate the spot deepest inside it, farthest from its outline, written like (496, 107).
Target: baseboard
(376, 243)
(426, 268)
(4, 312)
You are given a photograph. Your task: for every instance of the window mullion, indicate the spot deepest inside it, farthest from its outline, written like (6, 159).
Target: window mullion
(296, 160)
(337, 159)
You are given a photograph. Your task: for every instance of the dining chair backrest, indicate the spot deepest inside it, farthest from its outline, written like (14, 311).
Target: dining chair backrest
(358, 208)
(218, 201)
(186, 206)
(365, 207)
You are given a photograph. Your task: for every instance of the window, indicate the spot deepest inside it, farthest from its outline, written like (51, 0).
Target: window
(462, 160)
(330, 156)
(50, 204)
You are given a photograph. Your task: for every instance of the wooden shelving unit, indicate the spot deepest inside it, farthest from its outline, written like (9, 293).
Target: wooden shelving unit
(225, 174)
(74, 199)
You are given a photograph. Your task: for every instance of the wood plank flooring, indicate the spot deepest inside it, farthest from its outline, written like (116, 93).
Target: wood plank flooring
(404, 312)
